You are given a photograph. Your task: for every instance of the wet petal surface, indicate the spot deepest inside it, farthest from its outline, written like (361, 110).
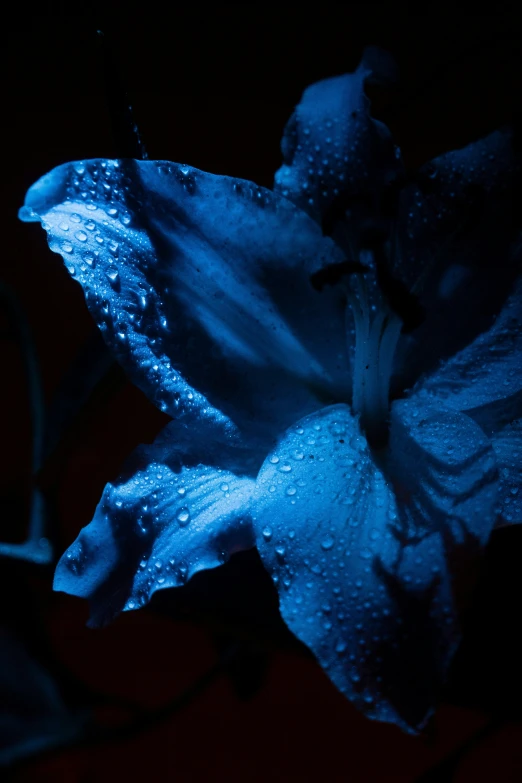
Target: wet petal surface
(364, 558)
(155, 530)
(455, 248)
(201, 287)
(336, 158)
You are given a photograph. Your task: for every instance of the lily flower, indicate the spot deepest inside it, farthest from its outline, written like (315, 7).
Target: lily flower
(341, 358)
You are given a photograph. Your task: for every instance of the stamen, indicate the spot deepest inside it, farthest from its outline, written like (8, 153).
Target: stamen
(375, 342)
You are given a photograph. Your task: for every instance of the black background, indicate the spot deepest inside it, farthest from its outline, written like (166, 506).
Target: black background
(213, 86)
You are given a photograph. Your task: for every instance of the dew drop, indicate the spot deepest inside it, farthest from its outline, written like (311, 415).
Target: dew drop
(183, 516)
(327, 543)
(112, 274)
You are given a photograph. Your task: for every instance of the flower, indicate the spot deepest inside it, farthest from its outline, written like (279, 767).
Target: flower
(342, 395)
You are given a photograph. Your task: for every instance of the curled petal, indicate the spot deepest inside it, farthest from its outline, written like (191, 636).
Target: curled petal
(507, 444)
(364, 558)
(156, 530)
(201, 287)
(485, 380)
(336, 158)
(456, 232)
(485, 376)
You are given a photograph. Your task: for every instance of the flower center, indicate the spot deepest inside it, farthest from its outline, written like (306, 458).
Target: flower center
(376, 334)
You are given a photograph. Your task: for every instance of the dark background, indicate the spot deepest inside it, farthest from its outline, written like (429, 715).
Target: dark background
(213, 87)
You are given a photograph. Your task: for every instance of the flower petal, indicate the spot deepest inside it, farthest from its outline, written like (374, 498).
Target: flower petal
(456, 229)
(485, 380)
(335, 156)
(200, 282)
(487, 374)
(155, 530)
(369, 594)
(507, 445)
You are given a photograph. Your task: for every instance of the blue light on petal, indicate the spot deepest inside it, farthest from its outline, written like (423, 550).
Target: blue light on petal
(203, 287)
(155, 531)
(355, 549)
(195, 271)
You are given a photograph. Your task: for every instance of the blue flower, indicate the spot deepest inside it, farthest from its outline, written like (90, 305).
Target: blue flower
(341, 358)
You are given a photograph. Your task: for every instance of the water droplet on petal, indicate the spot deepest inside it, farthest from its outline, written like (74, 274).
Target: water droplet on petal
(112, 274)
(327, 543)
(183, 516)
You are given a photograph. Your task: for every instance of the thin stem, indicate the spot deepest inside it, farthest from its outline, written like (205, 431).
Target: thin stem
(36, 548)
